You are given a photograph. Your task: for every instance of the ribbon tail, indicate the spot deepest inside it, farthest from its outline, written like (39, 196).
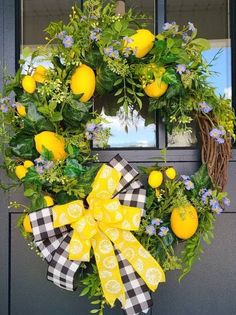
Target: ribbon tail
(79, 249)
(140, 259)
(138, 297)
(108, 269)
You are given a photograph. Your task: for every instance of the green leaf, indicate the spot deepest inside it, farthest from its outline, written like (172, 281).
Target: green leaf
(26, 52)
(202, 43)
(73, 168)
(74, 115)
(23, 146)
(84, 291)
(48, 155)
(170, 76)
(105, 79)
(56, 116)
(118, 26)
(29, 192)
(94, 311)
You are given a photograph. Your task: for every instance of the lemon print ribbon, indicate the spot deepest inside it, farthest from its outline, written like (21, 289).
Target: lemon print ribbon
(104, 223)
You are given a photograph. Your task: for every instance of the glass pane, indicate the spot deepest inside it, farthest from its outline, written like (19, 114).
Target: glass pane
(211, 17)
(36, 15)
(137, 130)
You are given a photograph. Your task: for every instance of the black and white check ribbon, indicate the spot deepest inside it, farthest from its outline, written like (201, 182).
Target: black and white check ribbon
(53, 243)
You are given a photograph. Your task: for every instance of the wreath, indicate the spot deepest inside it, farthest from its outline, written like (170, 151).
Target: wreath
(96, 225)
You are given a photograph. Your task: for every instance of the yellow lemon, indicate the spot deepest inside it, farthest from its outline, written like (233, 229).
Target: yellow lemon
(29, 84)
(20, 109)
(171, 173)
(26, 224)
(142, 42)
(83, 81)
(20, 171)
(28, 163)
(40, 74)
(156, 89)
(48, 200)
(155, 179)
(52, 142)
(184, 221)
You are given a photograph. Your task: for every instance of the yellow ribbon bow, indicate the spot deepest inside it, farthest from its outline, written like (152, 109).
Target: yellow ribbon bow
(106, 221)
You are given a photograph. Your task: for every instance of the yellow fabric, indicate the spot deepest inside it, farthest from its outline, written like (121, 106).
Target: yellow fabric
(107, 221)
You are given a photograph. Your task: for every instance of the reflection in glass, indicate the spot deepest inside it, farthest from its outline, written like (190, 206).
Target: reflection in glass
(36, 16)
(136, 130)
(211, 18)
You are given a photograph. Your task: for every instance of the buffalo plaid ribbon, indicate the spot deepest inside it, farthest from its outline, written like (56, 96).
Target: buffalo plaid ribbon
(53, 243)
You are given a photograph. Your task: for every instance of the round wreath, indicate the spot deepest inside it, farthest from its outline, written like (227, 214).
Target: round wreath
(47, 125)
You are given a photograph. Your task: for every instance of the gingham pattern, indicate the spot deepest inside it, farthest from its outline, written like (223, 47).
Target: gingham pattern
(42, 225)
(61, 270)
(133, 198)
(48, 246)
(54, 244)
(138, 298)
(127, 171)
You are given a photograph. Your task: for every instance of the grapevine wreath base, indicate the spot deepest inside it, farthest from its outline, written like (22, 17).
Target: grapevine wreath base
(100, 231)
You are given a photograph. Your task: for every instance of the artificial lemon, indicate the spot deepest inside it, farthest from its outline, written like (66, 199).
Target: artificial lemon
(142, 42)
(20, 171)
(155, 179)
(28, 163)
(26, 224)
(40, 74)
(21, 109)
(52, 142)
(184, 221)
(29, 84)
(48, 200)
(171, 173)
(83, 82)
(156, 89)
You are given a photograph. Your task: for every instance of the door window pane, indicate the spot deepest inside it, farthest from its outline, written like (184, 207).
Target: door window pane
(211, 18)
(36, 16)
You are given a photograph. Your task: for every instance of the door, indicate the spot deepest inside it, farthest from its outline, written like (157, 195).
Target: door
(210, 287)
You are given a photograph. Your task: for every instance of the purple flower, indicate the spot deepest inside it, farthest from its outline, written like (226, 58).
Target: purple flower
(48, 165)
(68, 41)
(215, 133)
(156, 221)
(191, 27)
(110, 52)
(180, 68)
(205, 195)
(13, 105)
(39, 169)
(88, 135)
(185, 177)
(4, 108)
(95, 34)
(215, 206)
(150, 230)
(167, 26)
(61, 35)
(189, 185)
(163, 231)
(127, 51)
(128, 40)
(90, 127)
(220, 140)
(205, 107)
(185, 37)
(226, 201)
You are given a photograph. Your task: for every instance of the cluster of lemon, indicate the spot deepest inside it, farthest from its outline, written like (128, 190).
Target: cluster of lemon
(184, 219)
(83, 80)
